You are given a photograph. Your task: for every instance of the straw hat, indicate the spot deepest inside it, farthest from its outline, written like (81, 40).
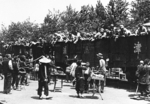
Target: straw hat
(141, 62)
(44, 60)
(99, 55)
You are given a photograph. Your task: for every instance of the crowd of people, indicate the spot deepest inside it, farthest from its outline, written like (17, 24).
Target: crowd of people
(111, 32)
(81, 74)
(15, 70)
(65, 36)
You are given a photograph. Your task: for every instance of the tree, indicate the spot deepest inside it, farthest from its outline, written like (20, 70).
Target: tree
(3, 32)
(51, 23)
(70, 19)
(140, 11)
(101, 15)
(25, 29)
(87, 18)
(117, 11)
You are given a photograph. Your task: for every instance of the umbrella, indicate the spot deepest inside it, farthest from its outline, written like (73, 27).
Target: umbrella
(45, 60)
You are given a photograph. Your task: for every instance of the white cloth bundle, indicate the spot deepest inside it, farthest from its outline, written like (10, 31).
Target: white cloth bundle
(97, 76)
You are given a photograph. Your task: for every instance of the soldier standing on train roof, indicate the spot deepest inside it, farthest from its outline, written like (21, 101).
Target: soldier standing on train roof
(141, 30)
(123, 31)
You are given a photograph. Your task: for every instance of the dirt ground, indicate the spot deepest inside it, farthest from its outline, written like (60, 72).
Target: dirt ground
(28, 95)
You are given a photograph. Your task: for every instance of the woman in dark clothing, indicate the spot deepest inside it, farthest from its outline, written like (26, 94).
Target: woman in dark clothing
(43, 77)
(22, 70)
(15, 73)
(79, 79)
(7, 71)
(146, 77)
(144, 80)
(86, 76)
(1, 69)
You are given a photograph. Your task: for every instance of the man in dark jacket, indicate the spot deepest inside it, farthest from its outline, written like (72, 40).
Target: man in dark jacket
(143, 73)
(43, 76)
(7, 71)
(15, 73)
(1, 66)
(139, 75)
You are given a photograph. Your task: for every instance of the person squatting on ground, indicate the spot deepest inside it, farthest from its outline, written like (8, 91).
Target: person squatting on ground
(79, 75)
(143, 74)
(7, 71)
(43, 76)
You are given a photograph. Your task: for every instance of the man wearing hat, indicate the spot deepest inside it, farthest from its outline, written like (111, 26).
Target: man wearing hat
(102, 69)
(140, 76)
(43, 75)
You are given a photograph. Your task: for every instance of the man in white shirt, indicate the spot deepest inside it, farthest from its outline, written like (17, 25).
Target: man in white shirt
(102, 69)
(72, 71)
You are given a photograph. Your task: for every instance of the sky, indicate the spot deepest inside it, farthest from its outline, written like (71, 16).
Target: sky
(36, 10)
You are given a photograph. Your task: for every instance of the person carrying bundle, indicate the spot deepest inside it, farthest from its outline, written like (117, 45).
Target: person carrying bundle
(102, 69)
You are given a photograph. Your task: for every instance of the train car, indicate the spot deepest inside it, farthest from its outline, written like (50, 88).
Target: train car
(123, 52)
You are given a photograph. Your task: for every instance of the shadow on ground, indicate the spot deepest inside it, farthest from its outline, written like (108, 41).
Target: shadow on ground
(37, 98)
(56, 90)
(91, 97)
(2, 101)
(137, 97)
(1, 92)
(84, 97)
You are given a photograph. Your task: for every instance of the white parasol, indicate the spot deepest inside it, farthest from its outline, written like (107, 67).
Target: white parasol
(146, 24)
(44, 60)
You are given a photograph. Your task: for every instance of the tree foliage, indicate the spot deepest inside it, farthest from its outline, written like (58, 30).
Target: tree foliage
(70, 19)
(51, 23)
(140, 11)
(117, 11)
(25, 29)
(88, 19)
